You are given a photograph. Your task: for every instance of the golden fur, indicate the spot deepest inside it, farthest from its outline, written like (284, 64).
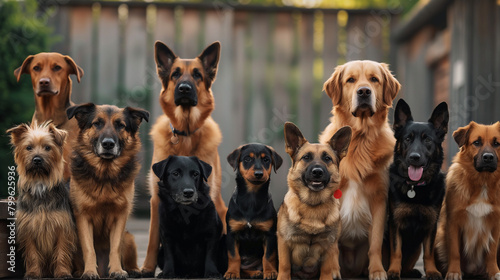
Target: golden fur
(364, 170)
(309, 220)
(46, 232)
(468, 232)
(203, 133)
(52, 100)
(102, 187)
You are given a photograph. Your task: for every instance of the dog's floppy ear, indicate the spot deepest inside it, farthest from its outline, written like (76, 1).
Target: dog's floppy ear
(402, 115)
(83, 113)
(16, 133)
(77, 70)
(277, 160)
(234, 158)
(209, 57)
(58, 134)
(205, 168)
(439, 119)
(391, 85)
(333, 86)
(461, 135)
(293, 139)
(159, 167)
(340, 141)
(164, 58)
(24, 68)
(135, 117)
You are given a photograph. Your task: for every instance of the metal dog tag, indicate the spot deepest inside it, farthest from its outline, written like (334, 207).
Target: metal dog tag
(174, 139)
(411, 193)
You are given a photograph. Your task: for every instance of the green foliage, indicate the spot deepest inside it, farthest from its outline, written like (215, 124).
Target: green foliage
(23, 32)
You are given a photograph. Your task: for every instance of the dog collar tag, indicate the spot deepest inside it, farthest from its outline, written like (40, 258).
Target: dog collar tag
(411, 193)
(174, 139)
(337, 194)
(249, 225)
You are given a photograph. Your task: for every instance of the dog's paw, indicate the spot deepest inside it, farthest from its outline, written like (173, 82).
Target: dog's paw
(393, 275)
(213, 275)
(120, 275)
(32, 276)
(495, 276)
(134, 274)
(270, 275)
(146, 273)
(284, 276)
(453, 275)
(165, 275)
(378, 275)
(434, 275)
(89, 275)
(63, 276)
(232, 275)
(336, 275)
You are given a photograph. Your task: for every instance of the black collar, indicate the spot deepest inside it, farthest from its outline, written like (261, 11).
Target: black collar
(179, 132)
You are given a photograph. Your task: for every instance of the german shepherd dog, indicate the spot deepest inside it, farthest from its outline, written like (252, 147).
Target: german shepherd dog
(416, 191)
(309, 218)
(468, 232)
(104, 165)
(251, 216)
(186, 127)
(190, 228)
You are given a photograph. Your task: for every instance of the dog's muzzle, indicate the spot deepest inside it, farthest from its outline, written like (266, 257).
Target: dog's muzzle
(364, 102)
(186, 196)
(185, 95)
(316, 177)
(45, 88)
(108, 148)
(486, 161)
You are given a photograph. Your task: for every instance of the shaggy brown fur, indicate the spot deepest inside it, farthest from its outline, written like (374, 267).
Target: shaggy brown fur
(45, 228)
(309, 219)
(52, 89)
(104, 165)
(196, 133)
(362, 93)
(468, 233)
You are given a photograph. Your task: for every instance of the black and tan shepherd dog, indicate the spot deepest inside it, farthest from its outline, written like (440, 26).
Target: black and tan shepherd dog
(103, 168)
(416, 190)
(46, 231)
(309, 219)
(251, 217)
(190, 228)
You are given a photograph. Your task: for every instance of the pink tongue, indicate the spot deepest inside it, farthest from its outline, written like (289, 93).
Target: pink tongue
(415, 173)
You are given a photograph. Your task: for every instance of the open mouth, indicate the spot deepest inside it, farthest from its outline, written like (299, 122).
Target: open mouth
(316, 185)
(415, 173)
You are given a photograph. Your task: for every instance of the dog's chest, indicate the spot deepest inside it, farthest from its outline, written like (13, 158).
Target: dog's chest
(355, 213)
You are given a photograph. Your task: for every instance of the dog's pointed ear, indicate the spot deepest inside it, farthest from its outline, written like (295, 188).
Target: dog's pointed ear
(58, 134)
(234, 158)
(16, 133)
(402, 115)
(24, 68)
(159, 167)
(333, 86)
(83, 114)
(135, 117)
(391, 85)
(77, 70)
(277, 161)
(293, 139)
(205, 168)
(461, 135)
(209, 57)
(439, 119)
(340, 141)
(164, 58)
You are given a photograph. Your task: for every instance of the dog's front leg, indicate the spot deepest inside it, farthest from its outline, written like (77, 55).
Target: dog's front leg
(330, 268)
(234, 259)
(491, 257)
(269, 257)
(115, 241)
(86, 235)
(285, 267)
(394, 272)
(211, 270)
(149, 266)
(168, 265)
(453, 240)
(431, 272)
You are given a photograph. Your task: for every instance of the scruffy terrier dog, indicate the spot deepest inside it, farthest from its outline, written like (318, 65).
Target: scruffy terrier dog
(45, 228)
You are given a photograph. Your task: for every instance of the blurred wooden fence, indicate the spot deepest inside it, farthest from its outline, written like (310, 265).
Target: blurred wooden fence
(273, 64)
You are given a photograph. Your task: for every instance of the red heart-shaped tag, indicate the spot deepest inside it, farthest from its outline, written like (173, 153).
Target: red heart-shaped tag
(337, 194)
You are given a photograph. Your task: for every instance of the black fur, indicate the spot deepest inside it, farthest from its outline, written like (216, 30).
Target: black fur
(57, 199)
(190, 234)
(415, 219)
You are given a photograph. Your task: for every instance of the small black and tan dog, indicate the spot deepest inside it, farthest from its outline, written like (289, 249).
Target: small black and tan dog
(251, 217)
(46, 230)
(190, 228)
(416, 190)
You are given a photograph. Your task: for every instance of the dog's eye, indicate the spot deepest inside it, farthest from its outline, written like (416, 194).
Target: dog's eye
(197, 74)
(496, 144)
(476, 143)
(266, 159)
(120, 125)
(374, 79)
(327, 158)
(47, 148)
(196, 174)
(247, 159)
(427, 140)
(408, 139)
(306, 157)
(175, 173)
(57, 68)
(29, 148)
(97, 124)
(36, 68)
(350, 80)
(176, 75)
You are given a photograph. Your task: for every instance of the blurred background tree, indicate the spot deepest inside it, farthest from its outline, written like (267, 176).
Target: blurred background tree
(23, 32)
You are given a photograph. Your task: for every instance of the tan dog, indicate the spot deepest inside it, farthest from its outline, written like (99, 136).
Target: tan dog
(362, 93)
(309, 219)
(469, 231)
(186, 128)
(52, 88)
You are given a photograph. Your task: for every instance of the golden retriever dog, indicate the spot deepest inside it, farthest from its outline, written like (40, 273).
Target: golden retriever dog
(469, 228)
(362, 92)
(186, 127)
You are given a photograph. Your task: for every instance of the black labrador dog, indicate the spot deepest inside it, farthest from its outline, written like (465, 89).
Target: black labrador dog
(191, 239)
(416, 190)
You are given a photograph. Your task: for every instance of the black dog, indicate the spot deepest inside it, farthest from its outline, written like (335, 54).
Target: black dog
(190, 229)
(416, 190)
(251, 217)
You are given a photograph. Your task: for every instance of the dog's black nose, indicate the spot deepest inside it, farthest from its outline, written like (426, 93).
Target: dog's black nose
(188, 193)
(364, 91)
(488, 157)
(184, 88)
(258, 174)
(317, 172)
(108, 143)
(44, 82)
(37, 160)
(415, 156)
